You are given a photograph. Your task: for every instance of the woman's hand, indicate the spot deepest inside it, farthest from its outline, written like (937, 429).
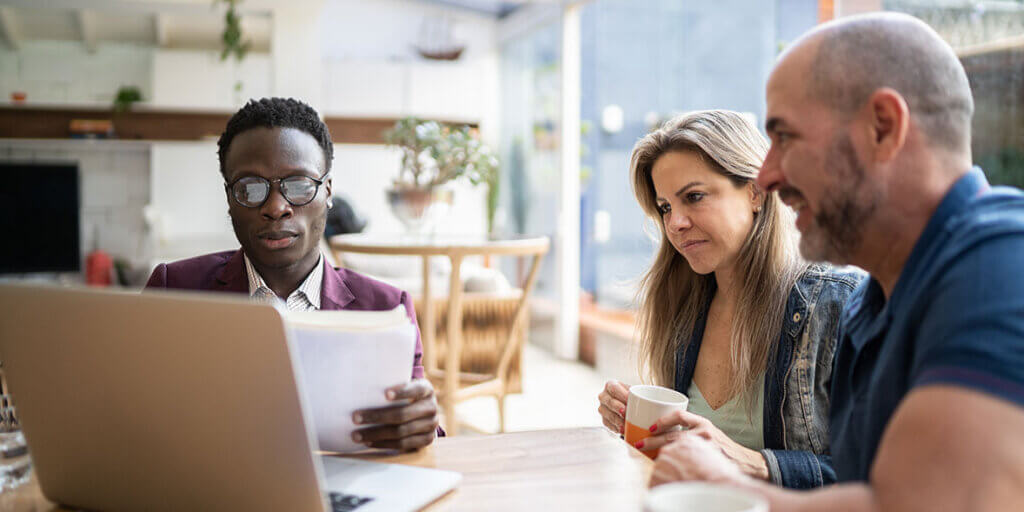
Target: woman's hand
(750, 462)
(613, 405)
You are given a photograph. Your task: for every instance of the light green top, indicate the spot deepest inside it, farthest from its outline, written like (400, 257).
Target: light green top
(731, 418)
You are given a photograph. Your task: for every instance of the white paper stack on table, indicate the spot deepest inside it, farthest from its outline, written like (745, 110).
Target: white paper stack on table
(347, 359)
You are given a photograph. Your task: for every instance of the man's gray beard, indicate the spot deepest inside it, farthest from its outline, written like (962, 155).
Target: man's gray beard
(838, 228)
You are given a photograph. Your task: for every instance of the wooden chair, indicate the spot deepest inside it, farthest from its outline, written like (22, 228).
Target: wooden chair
(492, 346)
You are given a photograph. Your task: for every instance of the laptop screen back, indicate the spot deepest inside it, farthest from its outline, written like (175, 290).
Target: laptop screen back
(159, 401)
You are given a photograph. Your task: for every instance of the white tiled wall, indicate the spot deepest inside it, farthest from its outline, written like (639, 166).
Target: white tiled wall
(64, 72)
(114, 180)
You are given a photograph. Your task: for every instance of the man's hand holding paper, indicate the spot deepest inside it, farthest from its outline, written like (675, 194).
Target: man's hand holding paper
(409, 424)
(355, 368)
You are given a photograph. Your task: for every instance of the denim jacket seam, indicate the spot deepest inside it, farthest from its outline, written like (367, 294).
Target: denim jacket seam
(816, 439)
(811, 384)
(806, 387)
(823, 282)
(797, 303)
(794, 305)
(848, 280)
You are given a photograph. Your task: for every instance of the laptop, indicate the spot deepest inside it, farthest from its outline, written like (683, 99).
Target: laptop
(178, 401)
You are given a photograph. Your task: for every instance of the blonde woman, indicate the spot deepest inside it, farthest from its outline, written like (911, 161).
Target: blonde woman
(730, 314)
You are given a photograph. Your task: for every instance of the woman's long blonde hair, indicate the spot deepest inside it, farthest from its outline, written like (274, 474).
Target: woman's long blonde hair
(672, 296)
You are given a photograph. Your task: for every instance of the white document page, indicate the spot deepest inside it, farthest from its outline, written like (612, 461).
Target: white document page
(347, 359)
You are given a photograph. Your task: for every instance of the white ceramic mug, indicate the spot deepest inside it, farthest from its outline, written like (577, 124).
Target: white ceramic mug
(643, 408)
(702, 497)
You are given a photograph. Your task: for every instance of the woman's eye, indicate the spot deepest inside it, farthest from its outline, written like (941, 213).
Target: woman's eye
(693, 197)
(664, 208)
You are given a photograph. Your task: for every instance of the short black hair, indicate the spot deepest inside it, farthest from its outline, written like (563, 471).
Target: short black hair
(276, 113)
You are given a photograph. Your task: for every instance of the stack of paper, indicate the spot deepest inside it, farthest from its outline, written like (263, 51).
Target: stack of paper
(347, 359)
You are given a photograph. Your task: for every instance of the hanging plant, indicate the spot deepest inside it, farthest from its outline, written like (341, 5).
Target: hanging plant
(232, 35)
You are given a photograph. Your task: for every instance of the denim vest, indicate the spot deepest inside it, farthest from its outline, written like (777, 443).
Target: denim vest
(796, 401)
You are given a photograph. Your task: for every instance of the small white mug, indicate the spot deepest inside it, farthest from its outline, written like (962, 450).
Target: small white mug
(702, 497)
(643, 408)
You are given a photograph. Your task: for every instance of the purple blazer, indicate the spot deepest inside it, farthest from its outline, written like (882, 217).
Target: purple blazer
(342, 289)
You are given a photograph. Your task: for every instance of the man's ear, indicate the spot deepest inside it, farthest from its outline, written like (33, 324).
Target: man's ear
(329, 185)
(888, 119)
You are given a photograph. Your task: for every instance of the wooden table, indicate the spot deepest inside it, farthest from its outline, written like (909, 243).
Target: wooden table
(587, 469)
(456, 249)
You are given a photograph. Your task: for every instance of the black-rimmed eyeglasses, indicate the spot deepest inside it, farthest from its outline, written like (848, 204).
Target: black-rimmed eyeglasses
(253, 191)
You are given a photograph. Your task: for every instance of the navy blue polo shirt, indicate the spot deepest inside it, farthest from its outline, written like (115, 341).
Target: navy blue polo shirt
(956, 316)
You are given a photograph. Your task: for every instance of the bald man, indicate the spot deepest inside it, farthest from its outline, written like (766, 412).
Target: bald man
(869, 119)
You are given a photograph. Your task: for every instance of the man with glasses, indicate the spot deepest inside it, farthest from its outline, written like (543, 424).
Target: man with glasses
(275, 158)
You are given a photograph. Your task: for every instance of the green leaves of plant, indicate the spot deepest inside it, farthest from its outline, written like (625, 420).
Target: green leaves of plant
(232, 35)
(126, 95)
(434, 153)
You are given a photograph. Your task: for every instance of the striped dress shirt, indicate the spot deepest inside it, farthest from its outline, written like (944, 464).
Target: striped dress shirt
(305, 298)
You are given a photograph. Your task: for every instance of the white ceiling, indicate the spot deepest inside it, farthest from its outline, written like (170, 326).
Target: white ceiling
(185, 24)
(182, 24)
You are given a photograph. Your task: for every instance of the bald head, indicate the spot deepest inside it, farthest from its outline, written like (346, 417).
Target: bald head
(856, 56)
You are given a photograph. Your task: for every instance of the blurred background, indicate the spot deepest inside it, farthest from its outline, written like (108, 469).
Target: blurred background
(110, 110)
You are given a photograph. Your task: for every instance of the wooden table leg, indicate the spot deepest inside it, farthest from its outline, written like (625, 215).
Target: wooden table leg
(453, 355)
(429, 322)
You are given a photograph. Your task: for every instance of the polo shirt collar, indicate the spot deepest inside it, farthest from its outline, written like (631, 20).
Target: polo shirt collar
(869, 314)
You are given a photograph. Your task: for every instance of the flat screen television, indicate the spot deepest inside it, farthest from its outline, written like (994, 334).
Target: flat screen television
(39, 225)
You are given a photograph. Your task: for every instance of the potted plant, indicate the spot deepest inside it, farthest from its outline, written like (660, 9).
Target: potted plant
(434, 154)
(125, 96)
